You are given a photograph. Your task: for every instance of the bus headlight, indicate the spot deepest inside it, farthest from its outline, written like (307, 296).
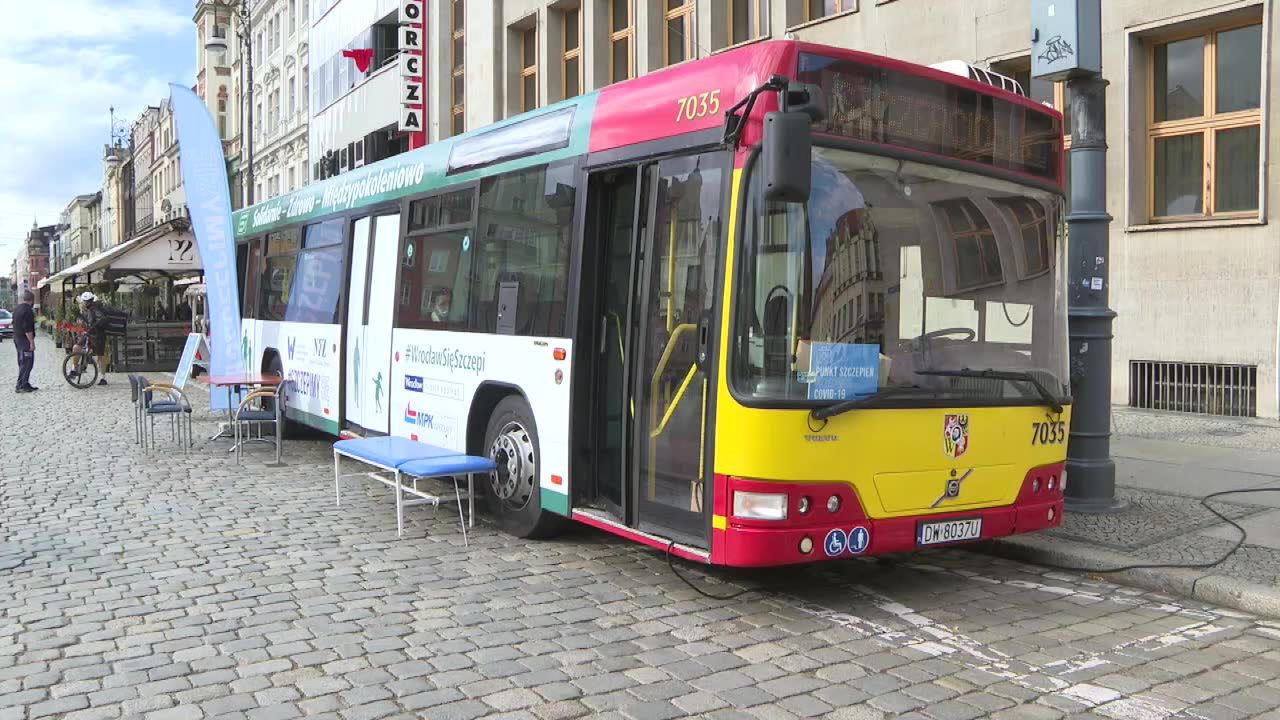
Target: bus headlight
(760, 506)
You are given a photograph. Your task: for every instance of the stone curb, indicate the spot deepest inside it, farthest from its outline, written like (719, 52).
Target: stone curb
(1207, 587)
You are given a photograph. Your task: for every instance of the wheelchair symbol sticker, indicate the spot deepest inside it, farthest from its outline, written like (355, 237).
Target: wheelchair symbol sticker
(859, 540)
(835, 543)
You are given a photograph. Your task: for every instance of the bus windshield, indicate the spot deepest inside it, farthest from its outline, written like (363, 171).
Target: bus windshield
(901, 277)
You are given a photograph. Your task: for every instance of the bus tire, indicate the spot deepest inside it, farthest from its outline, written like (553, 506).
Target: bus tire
(292, 429)
(513, 490)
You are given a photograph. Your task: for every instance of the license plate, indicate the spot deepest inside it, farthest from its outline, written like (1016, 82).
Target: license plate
(940, 533)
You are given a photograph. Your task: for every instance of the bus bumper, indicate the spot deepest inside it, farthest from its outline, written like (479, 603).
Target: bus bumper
(756, 544)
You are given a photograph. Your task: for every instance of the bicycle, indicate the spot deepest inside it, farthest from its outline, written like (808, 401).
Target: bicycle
(80, 368)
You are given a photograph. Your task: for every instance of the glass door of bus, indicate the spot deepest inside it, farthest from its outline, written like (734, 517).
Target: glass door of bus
(671, 386)
(658, 238)
(370, 313)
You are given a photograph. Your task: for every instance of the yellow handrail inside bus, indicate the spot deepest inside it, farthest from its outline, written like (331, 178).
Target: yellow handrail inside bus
(653, 400)
(671, 409)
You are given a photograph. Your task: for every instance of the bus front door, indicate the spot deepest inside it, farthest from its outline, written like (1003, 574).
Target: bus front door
(370, 313)
(672, 383)
(658, 231)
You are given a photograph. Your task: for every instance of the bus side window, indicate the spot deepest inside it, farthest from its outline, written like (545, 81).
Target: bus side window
(522, 252)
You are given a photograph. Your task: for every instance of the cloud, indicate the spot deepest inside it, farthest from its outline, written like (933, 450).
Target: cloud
(61, 66)
(35, 24)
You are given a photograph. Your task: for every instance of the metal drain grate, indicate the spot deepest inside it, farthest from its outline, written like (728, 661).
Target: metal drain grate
(1205, 388)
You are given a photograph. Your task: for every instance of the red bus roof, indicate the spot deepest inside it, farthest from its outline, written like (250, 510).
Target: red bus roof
(694, 96)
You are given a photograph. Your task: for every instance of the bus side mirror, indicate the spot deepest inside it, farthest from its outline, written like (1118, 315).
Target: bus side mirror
(787, 151)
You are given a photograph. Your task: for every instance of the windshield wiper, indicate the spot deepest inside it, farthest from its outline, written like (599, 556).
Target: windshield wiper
(1011, 375)
(844, 406)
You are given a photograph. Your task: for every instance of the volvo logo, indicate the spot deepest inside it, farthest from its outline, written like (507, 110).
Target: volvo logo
(952, 489)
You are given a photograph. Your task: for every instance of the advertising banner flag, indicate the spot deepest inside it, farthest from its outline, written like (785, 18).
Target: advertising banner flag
(204, 173)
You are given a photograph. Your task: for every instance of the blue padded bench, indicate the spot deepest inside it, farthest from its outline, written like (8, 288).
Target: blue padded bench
(400, 458)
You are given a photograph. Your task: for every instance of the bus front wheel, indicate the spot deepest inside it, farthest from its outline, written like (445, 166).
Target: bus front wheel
(513, 490)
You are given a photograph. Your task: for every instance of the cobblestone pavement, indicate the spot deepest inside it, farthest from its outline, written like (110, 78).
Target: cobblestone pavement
(184, 586)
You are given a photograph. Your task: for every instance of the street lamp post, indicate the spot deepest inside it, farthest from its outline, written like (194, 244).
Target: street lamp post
(245, 33)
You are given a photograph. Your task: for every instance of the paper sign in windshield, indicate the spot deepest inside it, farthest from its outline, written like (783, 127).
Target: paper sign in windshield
(842, 371)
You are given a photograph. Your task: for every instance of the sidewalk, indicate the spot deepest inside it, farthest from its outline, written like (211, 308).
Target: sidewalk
(1164, 464)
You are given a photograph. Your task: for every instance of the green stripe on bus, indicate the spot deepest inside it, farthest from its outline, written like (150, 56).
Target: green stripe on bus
(412, 173)
(557, 503)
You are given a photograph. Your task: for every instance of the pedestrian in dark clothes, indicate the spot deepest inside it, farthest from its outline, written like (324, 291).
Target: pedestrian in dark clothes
(24, 339)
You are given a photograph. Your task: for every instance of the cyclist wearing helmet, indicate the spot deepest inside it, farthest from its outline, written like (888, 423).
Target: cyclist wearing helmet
(95, 318)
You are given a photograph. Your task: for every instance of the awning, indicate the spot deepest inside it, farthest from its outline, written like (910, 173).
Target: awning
(166, 249)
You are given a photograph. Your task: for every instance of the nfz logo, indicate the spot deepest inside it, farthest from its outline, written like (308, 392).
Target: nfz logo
(413, 383)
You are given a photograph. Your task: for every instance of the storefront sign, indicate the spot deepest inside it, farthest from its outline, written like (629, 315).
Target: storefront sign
(413, 41)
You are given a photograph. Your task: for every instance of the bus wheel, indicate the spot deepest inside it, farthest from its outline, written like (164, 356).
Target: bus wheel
(511, 439)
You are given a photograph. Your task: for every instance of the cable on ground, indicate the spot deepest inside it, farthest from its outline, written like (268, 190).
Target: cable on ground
(671, 564)
(1204, 501)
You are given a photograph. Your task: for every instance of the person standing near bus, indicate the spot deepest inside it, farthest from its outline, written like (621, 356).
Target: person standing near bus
(24, 339)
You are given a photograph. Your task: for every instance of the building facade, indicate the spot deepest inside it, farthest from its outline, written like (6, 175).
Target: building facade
(32, 263)
(76, 241)
(220, 81)
(354, 111)
(143, 160)
(168, 196)
(281, 78)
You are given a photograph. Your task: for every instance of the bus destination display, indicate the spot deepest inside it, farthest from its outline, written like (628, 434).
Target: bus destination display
(870, 103)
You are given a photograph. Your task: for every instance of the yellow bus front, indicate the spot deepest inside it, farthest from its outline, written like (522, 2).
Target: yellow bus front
(893, 373)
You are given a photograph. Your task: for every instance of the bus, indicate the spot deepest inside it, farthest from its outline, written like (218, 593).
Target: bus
(787, 303)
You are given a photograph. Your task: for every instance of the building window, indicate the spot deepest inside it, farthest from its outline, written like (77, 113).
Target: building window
(748, 20)
(1204, 124)
(529, 69)
(459, 74)
(293, 16)
(678, 40)
(222, 112)
(571, 52)
(293, 97)
(621, 38)
(815, 9)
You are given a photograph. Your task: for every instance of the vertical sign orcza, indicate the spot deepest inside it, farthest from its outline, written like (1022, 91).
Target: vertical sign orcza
(413, 43)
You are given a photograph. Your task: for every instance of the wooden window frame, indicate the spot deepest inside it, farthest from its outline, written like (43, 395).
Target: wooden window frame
(685, 13)
(458, 106)
(1207, 125)
(627, 33)
(842, 6)
(528, 71)
(567, 54)
(762, 21)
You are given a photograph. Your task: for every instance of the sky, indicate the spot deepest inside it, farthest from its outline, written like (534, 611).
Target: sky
(62, 65)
